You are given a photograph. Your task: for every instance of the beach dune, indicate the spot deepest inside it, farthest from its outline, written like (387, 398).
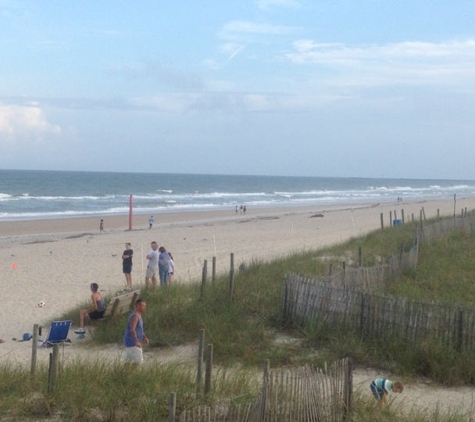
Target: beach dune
(56, 260)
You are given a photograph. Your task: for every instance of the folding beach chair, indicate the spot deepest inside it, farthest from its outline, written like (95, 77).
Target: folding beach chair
(58, 333)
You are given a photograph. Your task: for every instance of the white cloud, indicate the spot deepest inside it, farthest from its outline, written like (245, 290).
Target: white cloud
(406, 62)
(16, 122)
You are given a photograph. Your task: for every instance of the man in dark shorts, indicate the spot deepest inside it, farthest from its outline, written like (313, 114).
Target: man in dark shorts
(127, 264)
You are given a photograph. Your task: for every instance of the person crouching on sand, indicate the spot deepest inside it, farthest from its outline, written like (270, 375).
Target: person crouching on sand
(381, 387)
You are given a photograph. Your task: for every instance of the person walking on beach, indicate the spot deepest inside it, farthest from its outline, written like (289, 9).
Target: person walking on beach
(163, 265)
(101, 226)
(127, 264)
(150, 222)
(97, 312)
(134, 336)
(152, 267)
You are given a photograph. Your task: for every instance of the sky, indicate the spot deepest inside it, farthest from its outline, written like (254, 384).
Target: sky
(368, 88)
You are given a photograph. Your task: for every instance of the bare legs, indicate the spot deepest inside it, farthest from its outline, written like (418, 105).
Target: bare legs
(128, 280)
(82, 317)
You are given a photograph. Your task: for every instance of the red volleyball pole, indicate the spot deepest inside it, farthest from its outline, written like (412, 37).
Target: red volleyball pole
(131, 203)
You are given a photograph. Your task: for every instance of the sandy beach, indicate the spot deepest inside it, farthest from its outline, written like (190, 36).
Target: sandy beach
(56, 260)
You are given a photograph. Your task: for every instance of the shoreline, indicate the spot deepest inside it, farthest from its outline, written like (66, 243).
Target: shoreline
(114, 222)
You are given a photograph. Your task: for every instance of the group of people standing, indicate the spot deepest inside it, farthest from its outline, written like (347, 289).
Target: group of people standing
(160, 265)
(242, 209)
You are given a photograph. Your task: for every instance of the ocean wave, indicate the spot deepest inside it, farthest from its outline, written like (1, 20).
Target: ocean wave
(35, 195)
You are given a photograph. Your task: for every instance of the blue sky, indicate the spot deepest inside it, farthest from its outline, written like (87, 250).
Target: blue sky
(373, 88)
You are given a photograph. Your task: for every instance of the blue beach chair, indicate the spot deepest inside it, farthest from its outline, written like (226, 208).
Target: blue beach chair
(58, 333)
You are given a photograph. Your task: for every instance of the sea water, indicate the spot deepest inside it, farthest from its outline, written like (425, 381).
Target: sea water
(28, 194)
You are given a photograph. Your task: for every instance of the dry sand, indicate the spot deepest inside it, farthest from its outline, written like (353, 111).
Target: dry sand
(56, 260)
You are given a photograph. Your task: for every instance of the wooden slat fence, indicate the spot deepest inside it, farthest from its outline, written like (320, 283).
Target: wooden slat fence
(427, 233)
(298, 395)
(373, 278)
(377, 316)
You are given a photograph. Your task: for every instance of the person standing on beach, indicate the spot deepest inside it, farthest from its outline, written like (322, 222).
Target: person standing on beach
(127, 264)
(101, 226)
(134, 336)
(152, 267)
(163, 265)
(150, 222)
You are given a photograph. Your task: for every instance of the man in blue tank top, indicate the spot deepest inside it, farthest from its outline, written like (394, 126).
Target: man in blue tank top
(134, 336)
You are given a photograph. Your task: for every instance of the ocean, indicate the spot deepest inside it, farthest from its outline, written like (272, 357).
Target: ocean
(28, 194)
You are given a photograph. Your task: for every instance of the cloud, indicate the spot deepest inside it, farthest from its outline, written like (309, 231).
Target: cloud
(16, 122)
(406, 62)
(163, 76)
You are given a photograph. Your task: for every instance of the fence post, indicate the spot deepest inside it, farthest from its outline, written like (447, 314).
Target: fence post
(172, 408)
(362, 316)
(53, 368)
(265, 383)
(34, 351)
(330, 270)
(402, 217)
(209, 368)
(285, 314)
(213, 271)
(343, 265)
(390, 218)
(382, 221)
(231, 277)
(204, 273)
(459, 331)
(360, 256)
(348, 389)
(199, 373)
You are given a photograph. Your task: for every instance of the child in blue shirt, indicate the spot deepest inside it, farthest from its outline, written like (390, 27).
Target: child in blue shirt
(381, 387)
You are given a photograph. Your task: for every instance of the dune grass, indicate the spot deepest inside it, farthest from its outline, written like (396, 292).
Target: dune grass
(243, 332)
